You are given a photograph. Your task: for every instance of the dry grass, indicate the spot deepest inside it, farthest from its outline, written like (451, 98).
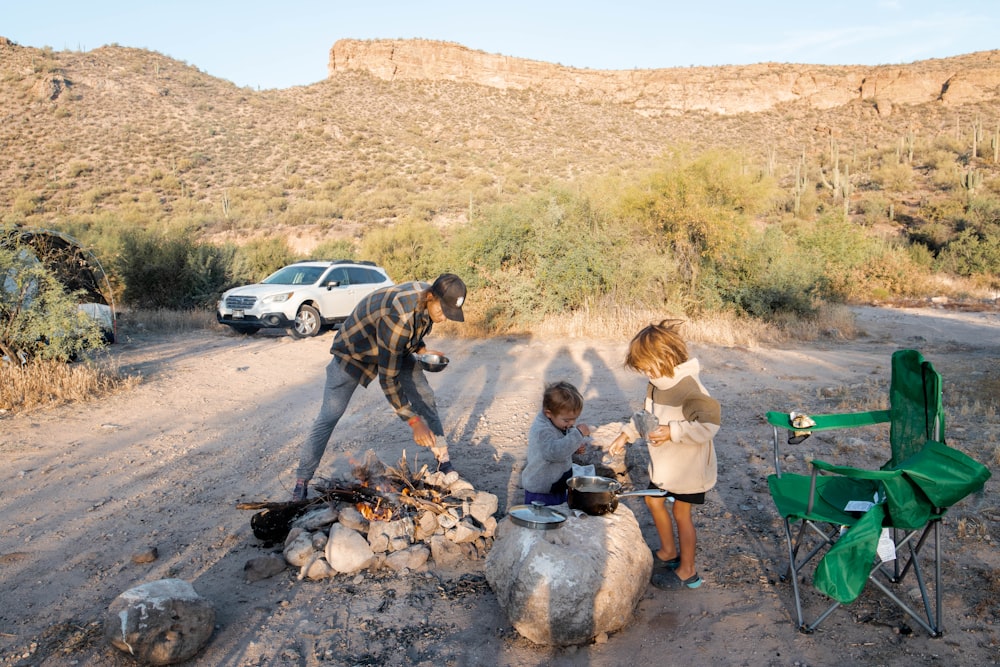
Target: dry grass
(621, 323)
(46, 383)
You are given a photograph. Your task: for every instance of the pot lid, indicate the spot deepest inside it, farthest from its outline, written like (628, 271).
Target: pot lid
(537, 516)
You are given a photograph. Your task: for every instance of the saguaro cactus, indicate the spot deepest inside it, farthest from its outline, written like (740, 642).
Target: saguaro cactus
(800, 182)
(977, 136)
(971, 180)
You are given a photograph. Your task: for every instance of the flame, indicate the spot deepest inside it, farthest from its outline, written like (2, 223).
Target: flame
(376, 513)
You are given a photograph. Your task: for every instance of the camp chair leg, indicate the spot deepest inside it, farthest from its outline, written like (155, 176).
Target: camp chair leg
(808, 629)
(932, 624)
(797, 542)
(794, 564)
(793, 547)
(933, 632)
(937, 576)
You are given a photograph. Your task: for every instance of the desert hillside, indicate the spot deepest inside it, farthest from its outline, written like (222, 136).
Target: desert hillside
(423, 130)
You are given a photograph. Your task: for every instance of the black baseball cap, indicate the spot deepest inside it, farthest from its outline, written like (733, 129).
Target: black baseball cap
(450, 290)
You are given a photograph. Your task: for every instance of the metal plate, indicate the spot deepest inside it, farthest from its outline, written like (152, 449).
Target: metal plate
(536, 516)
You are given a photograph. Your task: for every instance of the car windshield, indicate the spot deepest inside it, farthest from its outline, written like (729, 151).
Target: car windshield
(295, 275)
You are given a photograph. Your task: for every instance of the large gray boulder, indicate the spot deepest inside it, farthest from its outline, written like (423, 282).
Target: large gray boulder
(568, 585)
(161, 622)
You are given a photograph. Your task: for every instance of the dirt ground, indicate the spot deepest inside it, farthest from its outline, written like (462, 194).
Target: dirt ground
(218, 420)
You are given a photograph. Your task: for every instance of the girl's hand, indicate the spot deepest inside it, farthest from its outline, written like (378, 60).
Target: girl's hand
(659, 435)
(585, 430)
(617, 447)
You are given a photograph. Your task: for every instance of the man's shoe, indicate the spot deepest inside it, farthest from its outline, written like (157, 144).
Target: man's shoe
(301, 490)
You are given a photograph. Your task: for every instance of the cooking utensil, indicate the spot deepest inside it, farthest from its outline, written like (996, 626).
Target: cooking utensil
(599, 495)
(536, 516)
(432, 363)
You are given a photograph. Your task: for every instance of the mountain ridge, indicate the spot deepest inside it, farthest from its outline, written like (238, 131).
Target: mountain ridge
(723, 90)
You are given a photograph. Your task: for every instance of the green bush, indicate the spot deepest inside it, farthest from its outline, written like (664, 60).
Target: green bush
(771, 275)
(972, 254)
(256, 260)
(170, 271)
(335, 249)
(407, 251)
(38, 317)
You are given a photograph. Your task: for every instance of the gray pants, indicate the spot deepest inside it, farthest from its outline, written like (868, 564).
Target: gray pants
(337, 393)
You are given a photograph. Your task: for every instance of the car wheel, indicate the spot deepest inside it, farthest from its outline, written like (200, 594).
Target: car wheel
(245, 330)
(307, 323)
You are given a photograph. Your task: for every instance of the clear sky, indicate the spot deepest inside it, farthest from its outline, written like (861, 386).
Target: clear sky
(286, 43)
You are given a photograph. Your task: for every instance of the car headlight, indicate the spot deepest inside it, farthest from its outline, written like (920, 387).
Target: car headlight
(277, 298)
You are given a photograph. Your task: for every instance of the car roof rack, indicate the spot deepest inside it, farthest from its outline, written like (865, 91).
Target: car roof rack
(338, 261)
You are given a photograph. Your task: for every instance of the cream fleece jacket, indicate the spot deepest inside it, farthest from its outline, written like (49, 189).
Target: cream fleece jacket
(685, 464)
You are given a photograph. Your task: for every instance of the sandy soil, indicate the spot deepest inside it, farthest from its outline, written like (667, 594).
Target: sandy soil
(218, 420)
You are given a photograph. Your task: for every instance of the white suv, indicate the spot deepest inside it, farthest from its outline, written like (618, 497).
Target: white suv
(302, 297)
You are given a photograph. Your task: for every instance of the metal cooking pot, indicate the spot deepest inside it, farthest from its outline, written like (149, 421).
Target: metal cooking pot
(599, 495)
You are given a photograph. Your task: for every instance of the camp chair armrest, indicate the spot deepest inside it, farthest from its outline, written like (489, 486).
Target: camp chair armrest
(832, 421)
(856, 473)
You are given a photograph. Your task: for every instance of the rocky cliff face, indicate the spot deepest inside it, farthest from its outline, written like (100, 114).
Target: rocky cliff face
(722, 90)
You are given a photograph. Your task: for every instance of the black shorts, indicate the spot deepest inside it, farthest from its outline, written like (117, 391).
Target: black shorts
(690, 498)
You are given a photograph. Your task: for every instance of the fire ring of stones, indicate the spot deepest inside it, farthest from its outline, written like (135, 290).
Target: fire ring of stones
(388, 517)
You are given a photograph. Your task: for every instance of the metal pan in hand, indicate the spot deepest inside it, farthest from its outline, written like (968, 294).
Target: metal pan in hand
(431, 363)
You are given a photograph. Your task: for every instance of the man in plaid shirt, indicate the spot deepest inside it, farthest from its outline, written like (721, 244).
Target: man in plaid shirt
(379, 340)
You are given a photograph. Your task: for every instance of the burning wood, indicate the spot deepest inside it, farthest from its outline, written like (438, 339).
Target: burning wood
(402, 517)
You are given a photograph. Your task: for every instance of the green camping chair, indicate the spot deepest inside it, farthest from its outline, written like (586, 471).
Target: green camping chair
(854, 522)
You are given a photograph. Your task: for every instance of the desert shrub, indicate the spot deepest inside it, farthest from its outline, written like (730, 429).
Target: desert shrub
(948, 176)
(39, 319)
(407, 251)
(972, 253)
(950, 143)
(874, 208)
(159, 271)
(699, 213)
(336, 249)
(770, 276)
(255, 260)
(894, 177)
(550, 253)
(983, 212)
(888, 270)
(837, 246)
(933, 235)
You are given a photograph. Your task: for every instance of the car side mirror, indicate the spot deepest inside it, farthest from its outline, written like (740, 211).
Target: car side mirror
(330, 284)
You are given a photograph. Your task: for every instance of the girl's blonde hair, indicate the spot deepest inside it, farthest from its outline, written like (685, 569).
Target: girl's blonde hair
(657, 349)
(562, 398)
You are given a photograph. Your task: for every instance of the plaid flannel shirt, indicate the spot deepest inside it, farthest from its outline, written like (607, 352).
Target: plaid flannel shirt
(385, 327)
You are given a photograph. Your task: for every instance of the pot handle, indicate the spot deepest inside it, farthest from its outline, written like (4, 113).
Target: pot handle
(644, 492)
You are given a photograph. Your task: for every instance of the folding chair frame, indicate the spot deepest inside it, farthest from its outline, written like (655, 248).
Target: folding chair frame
(931, 621)
(911, 542)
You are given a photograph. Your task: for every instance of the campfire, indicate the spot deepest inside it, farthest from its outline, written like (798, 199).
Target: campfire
(387, 516)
